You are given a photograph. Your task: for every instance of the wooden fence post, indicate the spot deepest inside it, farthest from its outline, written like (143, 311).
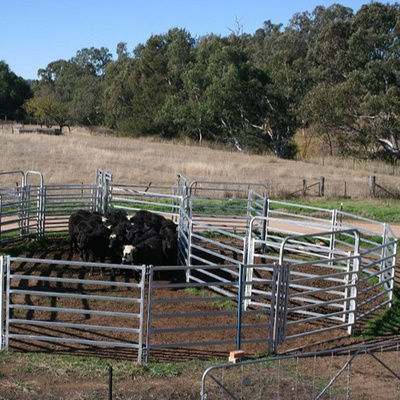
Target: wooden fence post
(372, 185)
(321, 186)
(304, 187)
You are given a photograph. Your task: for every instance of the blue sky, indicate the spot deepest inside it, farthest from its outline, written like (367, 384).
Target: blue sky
(34, 33)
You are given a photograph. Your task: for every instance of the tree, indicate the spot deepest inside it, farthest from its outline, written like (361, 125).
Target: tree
(93, 61)
(282, 56)
(13, 92)
(122, 51)
(77, 85)
(47, 111)
(119, 88)
(138, 89)
(355, 66)
(234, 94)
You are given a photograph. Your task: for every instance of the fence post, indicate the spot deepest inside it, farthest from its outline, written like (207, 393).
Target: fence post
(280, 303)
(321, 186)
(41, 213)
(354, 275)
(240, 308)
(304, 187)
(23, 212)
(372, 185)
(1, 213)
(2, 299)
(110, 380)
(106, 196)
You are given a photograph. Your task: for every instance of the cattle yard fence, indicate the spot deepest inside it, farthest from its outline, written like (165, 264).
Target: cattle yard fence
(300, 270)
(35, 306)
(40, 303)
(358, 372)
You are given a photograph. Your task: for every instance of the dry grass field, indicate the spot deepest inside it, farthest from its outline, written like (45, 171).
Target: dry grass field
(74, 157)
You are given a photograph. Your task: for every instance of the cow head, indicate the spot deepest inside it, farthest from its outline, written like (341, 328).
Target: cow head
(112, 239)
(128, 252)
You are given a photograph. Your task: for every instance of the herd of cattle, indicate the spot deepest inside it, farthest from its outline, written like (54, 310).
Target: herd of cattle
(144, 238)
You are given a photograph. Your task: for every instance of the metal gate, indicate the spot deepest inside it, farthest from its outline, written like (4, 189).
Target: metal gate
(195, 314)
(44, 303)
(21, 206)
(214, 224)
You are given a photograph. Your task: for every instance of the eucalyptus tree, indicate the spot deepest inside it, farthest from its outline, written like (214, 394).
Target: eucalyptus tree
(14, 91)
(234, 95)
(223, 95)
(329, 66)
(355, 67)
(92, 60)
(140, 89)
(76, 84)
(186, 112)
(118, 89)
(375, 46)
(174, 116)
(281, 54)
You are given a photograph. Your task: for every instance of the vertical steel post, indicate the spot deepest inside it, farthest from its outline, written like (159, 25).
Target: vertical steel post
(239, 309)
(2, 296)
(355, 276)
(41, 213)
(7, 302)
(144, 274)
(1, 213)
(149, 300)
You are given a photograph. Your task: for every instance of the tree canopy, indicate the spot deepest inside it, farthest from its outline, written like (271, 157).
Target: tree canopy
(13, 92)
(330, 76)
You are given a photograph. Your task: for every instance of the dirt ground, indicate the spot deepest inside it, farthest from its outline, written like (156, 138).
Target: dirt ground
(29, 370)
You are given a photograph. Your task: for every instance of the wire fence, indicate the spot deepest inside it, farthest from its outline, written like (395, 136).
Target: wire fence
(363, 372)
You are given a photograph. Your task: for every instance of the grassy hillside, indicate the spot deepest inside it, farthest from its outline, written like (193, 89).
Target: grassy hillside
(75, 156)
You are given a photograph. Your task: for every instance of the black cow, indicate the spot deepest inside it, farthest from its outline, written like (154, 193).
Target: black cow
(94, 243)
(116, 217)
(145, 220)
(169, 235)
(148, 252)
(78, 221)
(118, 236)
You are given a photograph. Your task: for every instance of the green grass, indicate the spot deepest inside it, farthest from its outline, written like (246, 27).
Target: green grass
(25, 248)
(93, 367)
(219, 304)
(385, 210)
(387, 323)
(194, 291)
(158, 206)
(225, 305)
(33, 246)
(376, 209)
